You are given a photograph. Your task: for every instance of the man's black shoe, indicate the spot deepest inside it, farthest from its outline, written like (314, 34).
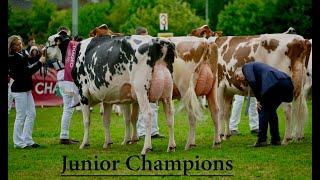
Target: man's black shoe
(35, 145)
(275, 143)
(68, 141)
(260, 144)
(254, 131)
(157, 136)
(154, 136)
(235, 132)
(27, 147)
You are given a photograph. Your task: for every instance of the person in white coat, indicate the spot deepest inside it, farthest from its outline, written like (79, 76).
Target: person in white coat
(236, 114)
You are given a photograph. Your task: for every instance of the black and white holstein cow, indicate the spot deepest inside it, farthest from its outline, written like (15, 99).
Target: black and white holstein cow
(286, 52)
(123, 69)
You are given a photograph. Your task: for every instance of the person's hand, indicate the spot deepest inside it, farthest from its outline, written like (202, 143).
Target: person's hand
(259, 106)
(42, 50)
(42, 59)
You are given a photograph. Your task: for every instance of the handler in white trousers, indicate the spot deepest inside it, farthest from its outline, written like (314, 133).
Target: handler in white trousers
(236, 114)
(68, 91)
(141, 130)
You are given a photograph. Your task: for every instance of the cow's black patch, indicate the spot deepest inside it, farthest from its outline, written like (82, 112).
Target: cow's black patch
(137, 41)
(107, 54)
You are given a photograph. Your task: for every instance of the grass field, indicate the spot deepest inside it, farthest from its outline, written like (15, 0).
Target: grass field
(272, 162)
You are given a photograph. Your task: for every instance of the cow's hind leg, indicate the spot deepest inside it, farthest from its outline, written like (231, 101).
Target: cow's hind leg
(214, 110)
(168, 109)
(126, 115)
(145, 109)
(191, 142)
(134, 119)
(224, 102)
(288, 126)
(106, 124)
(86, 125)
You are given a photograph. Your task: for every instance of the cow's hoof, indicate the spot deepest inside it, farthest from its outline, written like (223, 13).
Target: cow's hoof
(126, 142)
(190, 146)
(134, 141)
(145, 151)
(171, 149)
(221, 136)
(107, 145)
(217, 145)
(82, 146)
(224, 138)
(284, 143)
(299, 139)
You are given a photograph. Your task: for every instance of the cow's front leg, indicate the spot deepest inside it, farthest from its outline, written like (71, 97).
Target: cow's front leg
(126, 115)
(168, 109)
(288, 126)
(106, 124)
(134, 119)
(86, 125)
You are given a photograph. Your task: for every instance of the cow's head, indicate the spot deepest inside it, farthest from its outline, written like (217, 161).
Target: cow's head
(102, 30)
(56, 46)
(203, 31)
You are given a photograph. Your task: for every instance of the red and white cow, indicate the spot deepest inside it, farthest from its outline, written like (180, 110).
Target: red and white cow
(122, 69)
(286, 52)
(195, 75)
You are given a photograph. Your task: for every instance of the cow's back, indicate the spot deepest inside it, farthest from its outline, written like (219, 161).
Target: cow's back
(285, 52)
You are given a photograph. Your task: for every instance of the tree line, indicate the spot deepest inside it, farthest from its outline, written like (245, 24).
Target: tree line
(232, 17)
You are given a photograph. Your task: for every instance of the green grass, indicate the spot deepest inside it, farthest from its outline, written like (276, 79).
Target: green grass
(272, 162)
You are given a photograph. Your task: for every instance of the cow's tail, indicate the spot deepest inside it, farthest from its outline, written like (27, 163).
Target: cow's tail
(190, 100)
(299, 115)
(299, 105)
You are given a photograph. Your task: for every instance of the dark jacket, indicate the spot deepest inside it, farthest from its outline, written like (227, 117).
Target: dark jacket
(21, 69)
(262, 77)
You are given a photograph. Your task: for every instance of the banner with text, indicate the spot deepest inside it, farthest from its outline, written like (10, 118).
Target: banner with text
(44, 89)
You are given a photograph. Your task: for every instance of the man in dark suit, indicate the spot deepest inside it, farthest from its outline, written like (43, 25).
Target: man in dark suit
(271, 87)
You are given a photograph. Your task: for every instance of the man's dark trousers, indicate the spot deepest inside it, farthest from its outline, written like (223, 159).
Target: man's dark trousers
(280, 92)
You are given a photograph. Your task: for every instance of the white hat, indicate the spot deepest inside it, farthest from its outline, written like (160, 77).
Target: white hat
(33, 48)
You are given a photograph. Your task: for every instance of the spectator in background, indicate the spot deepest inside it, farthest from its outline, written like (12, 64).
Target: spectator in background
(141, 31)
(154, 108)
(34, 51)
(236, 114)
(31, 42)
(21, 69)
